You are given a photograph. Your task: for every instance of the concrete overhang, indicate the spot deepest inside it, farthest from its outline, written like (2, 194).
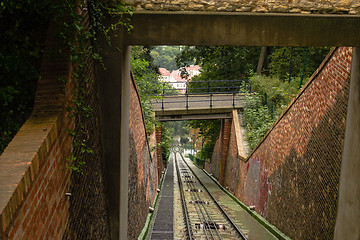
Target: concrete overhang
(193, 114)
(193, 117)
(243, 29)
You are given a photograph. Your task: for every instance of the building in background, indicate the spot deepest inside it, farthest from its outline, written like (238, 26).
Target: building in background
(179, 78)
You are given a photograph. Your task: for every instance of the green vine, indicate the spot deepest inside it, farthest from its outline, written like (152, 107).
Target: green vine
(82, 41)
(23, 25)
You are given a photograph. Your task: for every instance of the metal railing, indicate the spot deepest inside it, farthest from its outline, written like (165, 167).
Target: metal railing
(211, 86)
(207, 89)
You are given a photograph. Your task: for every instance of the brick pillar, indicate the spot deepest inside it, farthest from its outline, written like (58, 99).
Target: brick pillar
(225, 134)
(158, 152)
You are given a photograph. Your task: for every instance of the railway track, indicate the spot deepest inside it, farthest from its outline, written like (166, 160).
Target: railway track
(204, 218)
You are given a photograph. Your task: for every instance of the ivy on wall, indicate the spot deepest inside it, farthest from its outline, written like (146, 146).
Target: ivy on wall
(82, 40)
(23, 26)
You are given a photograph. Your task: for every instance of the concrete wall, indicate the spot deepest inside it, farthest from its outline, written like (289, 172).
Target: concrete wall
(264, 6)
(292, 177)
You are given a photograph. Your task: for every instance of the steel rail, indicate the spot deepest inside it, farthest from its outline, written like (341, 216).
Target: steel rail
(203, 205)
(187, 219)
(199, 212)
(206, 216)
(241, 234)
(198, 209)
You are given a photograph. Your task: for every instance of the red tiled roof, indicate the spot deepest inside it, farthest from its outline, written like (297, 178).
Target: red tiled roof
(174, 76)
(164, 72)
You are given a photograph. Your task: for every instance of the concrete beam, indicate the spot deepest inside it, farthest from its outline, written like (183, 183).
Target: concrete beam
(114, 94)
(177, 112)
(348, 214)
(243, 29)
(124, 143)
(185, 117)
(109, 82)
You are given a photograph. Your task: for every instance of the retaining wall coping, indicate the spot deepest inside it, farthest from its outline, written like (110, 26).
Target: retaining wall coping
(26, 153)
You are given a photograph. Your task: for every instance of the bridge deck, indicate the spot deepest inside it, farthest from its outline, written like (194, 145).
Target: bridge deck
(206, 106)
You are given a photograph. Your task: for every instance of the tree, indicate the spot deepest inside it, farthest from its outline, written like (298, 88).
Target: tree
(280, 59)
(221, 63)
(164, 56)
(146, 78)
(21, 26)
(218, 63)
(272, 94)
(180, 128)
(210, 132)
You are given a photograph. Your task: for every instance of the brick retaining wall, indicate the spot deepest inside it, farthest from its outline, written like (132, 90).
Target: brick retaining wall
(143, 167)
(40, 198)
(88, 210)
(33, 175)
(292, 177)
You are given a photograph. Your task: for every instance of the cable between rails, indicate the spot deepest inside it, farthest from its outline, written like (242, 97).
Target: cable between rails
(241, 234)
(201, 210)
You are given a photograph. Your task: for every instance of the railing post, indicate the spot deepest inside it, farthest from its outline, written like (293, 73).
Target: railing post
(162, 99)
(187, 102)
(211, 101)
(233, 99)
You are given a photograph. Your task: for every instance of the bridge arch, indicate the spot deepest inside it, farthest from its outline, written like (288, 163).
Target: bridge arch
(213, 28)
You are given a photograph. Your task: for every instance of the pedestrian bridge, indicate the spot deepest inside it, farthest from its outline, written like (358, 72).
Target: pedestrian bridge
(213, 99)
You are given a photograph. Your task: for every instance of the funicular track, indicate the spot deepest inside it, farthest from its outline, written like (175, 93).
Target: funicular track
(203, 216)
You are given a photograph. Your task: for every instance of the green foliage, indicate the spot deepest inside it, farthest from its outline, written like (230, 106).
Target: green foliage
(270, 98)
(200, 163)
(221, 63)
(184, 140)
(164, 56)
(146, 78)
(180, 128)
(84, 49)
(21, 44)
(217, 63)
(210, 130)
(22, 31)
(166, 140)
(274, 93)
(257, 119)
(280, 61)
